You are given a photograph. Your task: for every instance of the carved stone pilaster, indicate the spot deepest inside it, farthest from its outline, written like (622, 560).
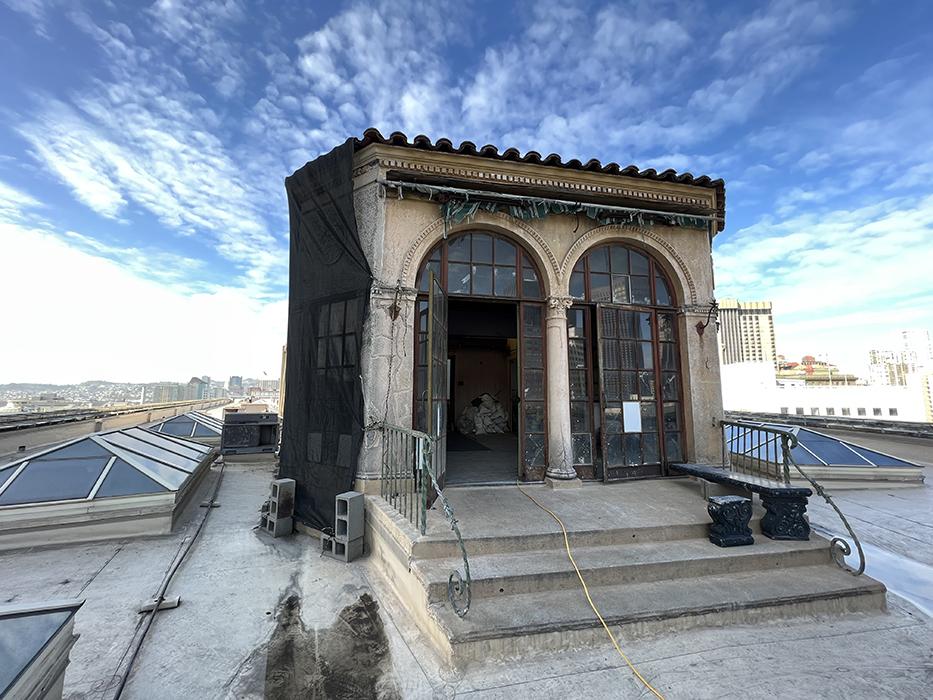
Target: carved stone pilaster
(730, 515)
(786, 518)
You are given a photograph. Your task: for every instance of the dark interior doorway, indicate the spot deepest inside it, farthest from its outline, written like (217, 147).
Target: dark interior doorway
(482, 437)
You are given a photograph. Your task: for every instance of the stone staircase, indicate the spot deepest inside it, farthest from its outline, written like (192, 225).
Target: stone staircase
(645, 580)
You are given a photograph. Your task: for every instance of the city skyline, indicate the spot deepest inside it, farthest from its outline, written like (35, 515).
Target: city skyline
(145, 150)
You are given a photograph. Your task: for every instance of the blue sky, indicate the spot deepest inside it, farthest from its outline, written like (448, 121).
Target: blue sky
(143, 148)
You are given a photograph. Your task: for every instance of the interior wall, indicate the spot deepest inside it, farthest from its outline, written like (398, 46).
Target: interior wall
(481, 371)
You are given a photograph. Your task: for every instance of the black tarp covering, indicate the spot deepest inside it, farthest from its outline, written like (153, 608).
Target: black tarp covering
(328, 298)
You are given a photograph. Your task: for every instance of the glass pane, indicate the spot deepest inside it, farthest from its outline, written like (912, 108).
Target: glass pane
(644, 325)
(534, 449)
(612, 386)
(666, 326)
(641, 290)
(627, 327)
(645, 356)
(650, 448)
(124, 480)
(533, 384)
(614, 452)
(204, 431)
(639, 263)
(534, 418)
(576, 285)
(582, 449)
(423, 316)
(579, 416)
(629, 386)
(599, 260)
(458, 249)
(575, 323)
(534, 356)
(323, 319)
(612, 418)
(662, 292)
(649, 417)
(505, 281)
(182, 427)
(83, 448)
(599, 288)
(668, 356)
(576, 353)
(670, 386)
(336, 317)
(531, 287)
(671, 417)
(458, 278)
(191, 450)
(619, 259)
(578, 389)
(646, 385)
(335, 351)
(610, 357)
(153, 451)
(633, 449)
(349, 349)
(627, 354)
(22, 639)
(352, 305)
(482, 279)
(672, 447)
(54, 480)
(425, 279)
(482, 248)
(532, 320)
(505, 252)
(620, 291)
(609, 318)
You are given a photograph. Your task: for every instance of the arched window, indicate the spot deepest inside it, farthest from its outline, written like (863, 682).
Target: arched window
(624, 358)
(618, 274)
(482, 264)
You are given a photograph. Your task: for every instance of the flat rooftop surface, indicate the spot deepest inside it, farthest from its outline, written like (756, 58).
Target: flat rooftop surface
(271, 618)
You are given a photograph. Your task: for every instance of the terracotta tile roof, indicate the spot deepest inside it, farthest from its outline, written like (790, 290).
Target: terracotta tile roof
(442, 145)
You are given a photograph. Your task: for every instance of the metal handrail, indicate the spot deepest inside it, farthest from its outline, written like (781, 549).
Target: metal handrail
(407, 476)
(751, 460)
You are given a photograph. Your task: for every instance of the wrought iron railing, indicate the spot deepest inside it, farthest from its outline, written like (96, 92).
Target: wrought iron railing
(768, 451)
(408, 483)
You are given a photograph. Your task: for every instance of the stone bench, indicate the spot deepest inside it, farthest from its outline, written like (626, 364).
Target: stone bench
(785, 506)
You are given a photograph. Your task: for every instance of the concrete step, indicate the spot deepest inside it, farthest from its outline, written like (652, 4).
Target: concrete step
(519, 625)
(505, 574)
(437, 547)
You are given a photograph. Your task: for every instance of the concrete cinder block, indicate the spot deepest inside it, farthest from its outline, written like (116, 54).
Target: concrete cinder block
(342, 551)
(350, 510)
(282, 498)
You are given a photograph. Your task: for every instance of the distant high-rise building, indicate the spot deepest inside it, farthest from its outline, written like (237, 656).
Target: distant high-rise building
(888, 368)
(235, 385)
(746, 331)
(197, 389)
(917, 350)
(165, 392)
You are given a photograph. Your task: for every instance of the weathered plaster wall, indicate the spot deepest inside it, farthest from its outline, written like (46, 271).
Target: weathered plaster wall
(408, 228)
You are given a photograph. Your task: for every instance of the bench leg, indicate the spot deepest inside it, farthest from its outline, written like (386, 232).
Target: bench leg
(786, 518)
(730, 516)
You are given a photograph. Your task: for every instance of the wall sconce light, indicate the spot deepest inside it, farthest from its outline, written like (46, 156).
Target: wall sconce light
(713, 309)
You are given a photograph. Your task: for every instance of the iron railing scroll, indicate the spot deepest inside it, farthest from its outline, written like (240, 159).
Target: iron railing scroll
(767, 451)
(407, 478)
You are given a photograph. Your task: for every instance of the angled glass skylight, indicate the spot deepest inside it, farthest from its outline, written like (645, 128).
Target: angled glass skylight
(128, 462)
(191, 424)
(814, 449)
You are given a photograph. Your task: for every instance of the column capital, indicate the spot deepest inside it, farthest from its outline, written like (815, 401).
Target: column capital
(559, 304)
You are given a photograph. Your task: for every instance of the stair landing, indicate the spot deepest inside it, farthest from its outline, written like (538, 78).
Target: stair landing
(643, 552)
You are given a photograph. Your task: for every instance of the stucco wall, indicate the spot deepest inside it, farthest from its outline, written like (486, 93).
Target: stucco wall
(409, 227)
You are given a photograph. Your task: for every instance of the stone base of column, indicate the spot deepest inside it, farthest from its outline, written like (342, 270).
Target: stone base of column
(563, 483)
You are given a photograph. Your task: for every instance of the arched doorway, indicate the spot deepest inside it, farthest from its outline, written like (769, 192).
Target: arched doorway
(496, 405)
(625, 373)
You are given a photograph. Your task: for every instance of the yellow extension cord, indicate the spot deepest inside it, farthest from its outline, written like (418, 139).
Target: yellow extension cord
(586, 591)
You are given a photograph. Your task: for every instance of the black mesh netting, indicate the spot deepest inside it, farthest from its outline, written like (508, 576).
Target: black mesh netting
(328, 293)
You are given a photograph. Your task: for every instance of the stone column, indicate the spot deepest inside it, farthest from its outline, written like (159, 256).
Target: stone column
(702, 390)
(560, 471)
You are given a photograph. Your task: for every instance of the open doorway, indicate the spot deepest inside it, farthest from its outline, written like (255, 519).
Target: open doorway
(482, 434)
